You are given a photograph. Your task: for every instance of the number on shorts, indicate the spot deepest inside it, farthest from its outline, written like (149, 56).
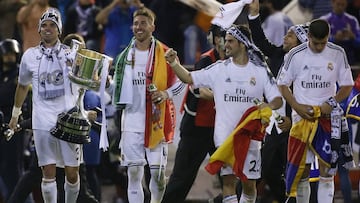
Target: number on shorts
(253, 166)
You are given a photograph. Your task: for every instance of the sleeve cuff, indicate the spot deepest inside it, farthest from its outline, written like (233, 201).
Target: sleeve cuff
(170, 93)
(250, 17)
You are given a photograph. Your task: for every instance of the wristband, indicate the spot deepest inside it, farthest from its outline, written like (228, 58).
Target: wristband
(172, 64)
(251, 17)
(332, 102)
(16, 112)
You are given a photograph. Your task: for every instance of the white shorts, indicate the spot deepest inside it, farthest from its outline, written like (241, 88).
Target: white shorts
(252, 165)
(133, 151)
(310, 156)
(51, 150)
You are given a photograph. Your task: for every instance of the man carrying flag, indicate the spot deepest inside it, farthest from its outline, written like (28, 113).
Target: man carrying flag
(314, 69)
(236, 83)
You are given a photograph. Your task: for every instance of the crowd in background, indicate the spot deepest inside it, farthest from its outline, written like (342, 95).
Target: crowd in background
(175, 21)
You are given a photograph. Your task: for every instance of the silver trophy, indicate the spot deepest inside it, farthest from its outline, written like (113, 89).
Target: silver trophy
(87, 68)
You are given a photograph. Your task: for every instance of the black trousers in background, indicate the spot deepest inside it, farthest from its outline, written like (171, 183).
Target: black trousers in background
(11, 161)
(31, 179)
(274, 159)
(194, 145)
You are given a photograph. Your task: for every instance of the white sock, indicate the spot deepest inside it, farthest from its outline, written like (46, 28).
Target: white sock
(247, 198)
(303, 191)
(230, 199)
(135, 190)
(157, 184)
(49, 190)
(326, 190)
(71, 190)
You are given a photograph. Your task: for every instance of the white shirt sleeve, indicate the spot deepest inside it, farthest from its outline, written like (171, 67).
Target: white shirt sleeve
(176, 88)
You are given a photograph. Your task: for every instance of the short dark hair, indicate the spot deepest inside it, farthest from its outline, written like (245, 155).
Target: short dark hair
(319, 28)
(245, 30)
(143, 11)
(217, 31)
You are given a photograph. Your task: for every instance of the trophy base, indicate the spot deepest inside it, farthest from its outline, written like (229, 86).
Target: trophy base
(72, 128)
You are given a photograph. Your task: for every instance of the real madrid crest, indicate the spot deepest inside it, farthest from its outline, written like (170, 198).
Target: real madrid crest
(330, 66)
(252, 81)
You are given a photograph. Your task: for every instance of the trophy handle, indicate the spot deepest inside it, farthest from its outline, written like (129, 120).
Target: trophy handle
(76, 45)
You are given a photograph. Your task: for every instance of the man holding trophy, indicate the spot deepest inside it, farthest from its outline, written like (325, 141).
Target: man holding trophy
(45, 68)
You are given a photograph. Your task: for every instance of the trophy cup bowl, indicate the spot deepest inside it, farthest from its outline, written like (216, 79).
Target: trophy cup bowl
(87, 68)
(73, 126)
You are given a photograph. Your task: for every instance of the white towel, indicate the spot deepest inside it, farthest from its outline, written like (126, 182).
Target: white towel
(126, 95)
(104, 142)
(228, 13)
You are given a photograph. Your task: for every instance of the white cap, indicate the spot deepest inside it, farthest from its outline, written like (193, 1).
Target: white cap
(53, 15)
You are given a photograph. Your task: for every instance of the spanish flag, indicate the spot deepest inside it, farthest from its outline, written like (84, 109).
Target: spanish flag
(233, 151)
(163, 77)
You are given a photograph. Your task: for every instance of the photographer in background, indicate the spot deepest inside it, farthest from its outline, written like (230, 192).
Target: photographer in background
(12, 150)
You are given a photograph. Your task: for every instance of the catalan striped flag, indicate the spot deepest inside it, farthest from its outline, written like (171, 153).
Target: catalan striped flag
(304, 135)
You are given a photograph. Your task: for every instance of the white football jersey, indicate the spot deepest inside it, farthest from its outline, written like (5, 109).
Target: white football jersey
(133, 118)
(315, 76)
(45, 108)
(234, 88)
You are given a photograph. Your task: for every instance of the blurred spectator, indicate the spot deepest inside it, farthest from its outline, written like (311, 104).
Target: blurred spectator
(344, 29)
(116, 19)
(28, 20)
(8, 11)
(62, 5)
(169, 21)
(82, 14)
(277, 23)
(195, 36)
(318, 7)
(321, 7)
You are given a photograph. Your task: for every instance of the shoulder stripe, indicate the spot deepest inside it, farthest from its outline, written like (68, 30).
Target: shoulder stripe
(340, 49)
(293, 52)
(213, 64)
(178, 89)
(334, 46)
